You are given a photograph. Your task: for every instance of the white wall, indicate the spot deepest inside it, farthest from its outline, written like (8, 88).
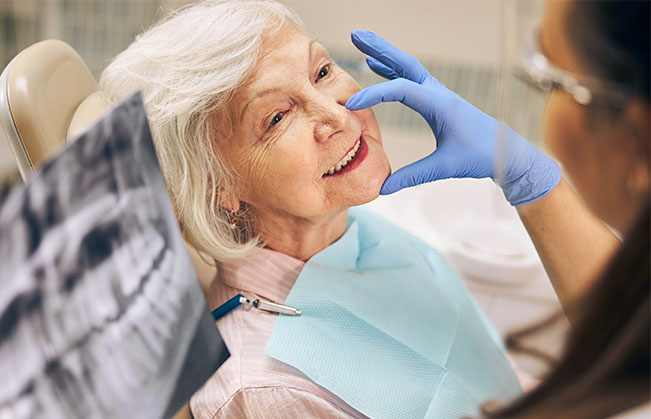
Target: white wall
(457, 30)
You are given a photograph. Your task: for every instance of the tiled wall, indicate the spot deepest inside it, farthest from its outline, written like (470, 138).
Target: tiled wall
(96, 29)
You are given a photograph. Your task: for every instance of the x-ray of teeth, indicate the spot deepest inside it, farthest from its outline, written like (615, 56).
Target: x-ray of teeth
(101, 313)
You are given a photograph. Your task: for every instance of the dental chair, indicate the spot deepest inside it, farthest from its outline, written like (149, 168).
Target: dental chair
(48, 97)
(40, 91)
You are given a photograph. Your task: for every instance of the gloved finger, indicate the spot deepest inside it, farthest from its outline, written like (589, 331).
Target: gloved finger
(422, 100)
(428, 169)
(403, 64)
(380, 69)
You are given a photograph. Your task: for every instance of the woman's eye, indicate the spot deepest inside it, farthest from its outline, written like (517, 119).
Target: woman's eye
(276, 119)
(323, 72)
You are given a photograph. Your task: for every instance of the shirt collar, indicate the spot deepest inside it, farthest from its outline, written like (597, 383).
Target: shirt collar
(266, 273)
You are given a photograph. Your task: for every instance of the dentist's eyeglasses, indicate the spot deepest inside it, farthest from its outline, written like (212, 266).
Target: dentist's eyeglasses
(537, 71)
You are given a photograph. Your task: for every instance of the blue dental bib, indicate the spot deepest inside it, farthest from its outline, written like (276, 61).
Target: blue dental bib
(389, 328)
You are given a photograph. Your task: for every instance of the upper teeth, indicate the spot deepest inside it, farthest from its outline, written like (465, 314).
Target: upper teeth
(343, 162)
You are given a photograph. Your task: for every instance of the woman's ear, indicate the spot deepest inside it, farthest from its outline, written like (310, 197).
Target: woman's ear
(638, 117)
(230, 202)
(638, 179)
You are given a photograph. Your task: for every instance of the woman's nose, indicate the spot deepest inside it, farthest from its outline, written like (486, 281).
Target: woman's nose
(332, 118)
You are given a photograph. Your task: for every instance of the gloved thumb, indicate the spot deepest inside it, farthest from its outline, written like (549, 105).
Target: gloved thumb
(401, 90)
(428, 169)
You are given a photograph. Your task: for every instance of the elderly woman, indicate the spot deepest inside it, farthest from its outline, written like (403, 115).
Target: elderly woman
(263, 161)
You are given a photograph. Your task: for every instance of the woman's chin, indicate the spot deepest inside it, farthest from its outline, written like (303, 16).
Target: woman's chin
(372, 183)
(363, 199)
(369, 190)
(366, 200)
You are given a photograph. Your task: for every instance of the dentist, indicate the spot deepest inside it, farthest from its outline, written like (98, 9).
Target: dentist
(593, 58)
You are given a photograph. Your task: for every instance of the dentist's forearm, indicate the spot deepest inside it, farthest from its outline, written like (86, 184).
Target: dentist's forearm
(573, 244)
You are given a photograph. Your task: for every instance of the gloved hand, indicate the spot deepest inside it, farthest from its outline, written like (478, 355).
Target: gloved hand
(466, 137)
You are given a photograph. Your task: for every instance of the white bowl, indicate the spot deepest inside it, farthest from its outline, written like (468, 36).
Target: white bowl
(478, 231)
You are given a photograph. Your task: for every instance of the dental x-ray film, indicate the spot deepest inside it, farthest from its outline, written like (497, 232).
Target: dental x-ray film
(101, 313)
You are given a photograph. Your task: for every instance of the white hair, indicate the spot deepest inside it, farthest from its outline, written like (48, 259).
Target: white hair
(187, 66)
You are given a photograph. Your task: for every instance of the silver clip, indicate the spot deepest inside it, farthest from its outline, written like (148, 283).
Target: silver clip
(275, 308)
(272, 307)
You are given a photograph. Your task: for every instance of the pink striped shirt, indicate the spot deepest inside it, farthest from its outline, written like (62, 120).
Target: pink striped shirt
(251, 384)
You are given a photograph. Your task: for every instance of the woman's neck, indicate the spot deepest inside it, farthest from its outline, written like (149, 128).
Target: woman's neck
(298, 237)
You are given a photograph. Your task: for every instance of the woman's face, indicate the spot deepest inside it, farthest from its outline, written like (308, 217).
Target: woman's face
(292, 134)
(597, 156)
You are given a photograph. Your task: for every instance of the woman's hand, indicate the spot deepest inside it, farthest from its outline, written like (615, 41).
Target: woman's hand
(466, 137)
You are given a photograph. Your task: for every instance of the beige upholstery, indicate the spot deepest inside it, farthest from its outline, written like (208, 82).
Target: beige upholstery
(41, 89)
(205, 272)
(88, 111)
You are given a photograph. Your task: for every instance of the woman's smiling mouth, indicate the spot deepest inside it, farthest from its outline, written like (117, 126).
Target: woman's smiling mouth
(351, 160)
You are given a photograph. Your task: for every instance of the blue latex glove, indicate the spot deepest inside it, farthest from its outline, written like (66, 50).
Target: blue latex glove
(466, 137)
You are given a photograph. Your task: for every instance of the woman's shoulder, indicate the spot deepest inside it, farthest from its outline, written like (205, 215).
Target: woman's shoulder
(276, 401)
(250, 382)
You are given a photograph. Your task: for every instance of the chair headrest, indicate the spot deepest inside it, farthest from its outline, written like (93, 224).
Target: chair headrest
(41, 88)
(88, 111)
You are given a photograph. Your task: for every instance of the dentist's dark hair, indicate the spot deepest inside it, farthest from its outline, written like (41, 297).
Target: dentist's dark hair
(611, 38)
(605, 367)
